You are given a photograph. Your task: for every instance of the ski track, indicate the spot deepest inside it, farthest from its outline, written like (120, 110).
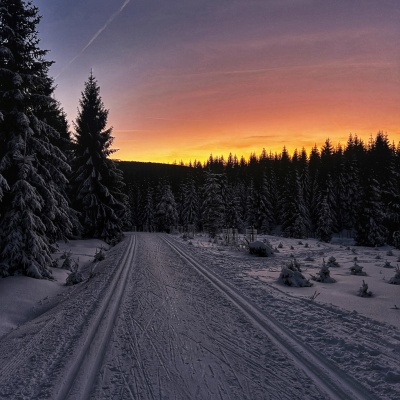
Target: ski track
(164, 320)
(325, 375)
(366, 350)
(183, 340)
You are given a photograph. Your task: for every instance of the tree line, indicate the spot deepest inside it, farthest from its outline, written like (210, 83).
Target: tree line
(353, 189)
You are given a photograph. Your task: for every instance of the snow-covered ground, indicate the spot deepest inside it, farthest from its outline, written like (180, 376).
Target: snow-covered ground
(22, 298)
(383, 306)
(165, 317)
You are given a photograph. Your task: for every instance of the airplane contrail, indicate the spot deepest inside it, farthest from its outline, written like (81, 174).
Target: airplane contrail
(96, 35)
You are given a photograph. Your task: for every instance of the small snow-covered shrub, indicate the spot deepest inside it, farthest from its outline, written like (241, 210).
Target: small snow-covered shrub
(291, 275)
(291, 248)
(306, 245)
(387, 264)
(99, 255)
(395, 280)
(363, 291)
(280, 245)
(296, 264)
(378, 257)
(261, 249)
(67, 264)
(357, 269)
(389, 253)
(75, 276)
(300, 243)
(332, 262)
(323, 275)
(309, 258)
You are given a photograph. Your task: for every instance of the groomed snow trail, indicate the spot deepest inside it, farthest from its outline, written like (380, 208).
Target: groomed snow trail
(179, 338)
(155, 323)
(325, 375)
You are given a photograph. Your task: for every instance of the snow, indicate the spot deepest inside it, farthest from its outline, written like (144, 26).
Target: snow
(381, 307)
(173, 329)
(23, 299)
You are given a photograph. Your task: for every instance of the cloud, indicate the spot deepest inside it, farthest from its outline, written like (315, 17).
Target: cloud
(95, 36)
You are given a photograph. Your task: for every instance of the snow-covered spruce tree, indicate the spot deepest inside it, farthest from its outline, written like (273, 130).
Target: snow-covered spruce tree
(33, 210)
(213, 209)
(190, 203)
(325, 221)
(294, 213)
(265, 210)
(251, 205)
(231, 207)
(97, 182)
(370, 230)
(166, 213)
(147, 210)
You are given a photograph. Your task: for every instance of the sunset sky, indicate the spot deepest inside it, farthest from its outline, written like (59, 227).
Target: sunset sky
(186, 78)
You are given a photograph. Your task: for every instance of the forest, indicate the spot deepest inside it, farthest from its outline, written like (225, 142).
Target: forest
(351, 190)
(58, 183)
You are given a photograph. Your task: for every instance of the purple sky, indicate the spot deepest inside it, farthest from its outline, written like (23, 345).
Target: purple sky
(185, 78)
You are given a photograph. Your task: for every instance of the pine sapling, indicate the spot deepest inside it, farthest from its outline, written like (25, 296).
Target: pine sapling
(363, 291)
(291, 275)
(323, 275)
(67, 264)
(99, 255)
(75, 276)
(332, 262)
(395, 280)
(357, 269)
(387, 264)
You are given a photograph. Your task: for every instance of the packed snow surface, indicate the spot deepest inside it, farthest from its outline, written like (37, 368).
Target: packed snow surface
(166, 318)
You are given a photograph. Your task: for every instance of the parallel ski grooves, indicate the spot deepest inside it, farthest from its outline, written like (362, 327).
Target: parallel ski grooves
(92, 352)
(336, 383)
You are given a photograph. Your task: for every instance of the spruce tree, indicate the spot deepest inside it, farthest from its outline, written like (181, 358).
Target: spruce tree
(325, 221)
(232, 208)
(34, 211)
(251, 206)
(213, 209)
(166, 211)
(370, 229)
(265, 217)
(294, 214)
(97, 182)
(190, 203)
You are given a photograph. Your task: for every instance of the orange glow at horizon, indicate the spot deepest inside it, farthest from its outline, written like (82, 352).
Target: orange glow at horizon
(244, 113)
(173, 153)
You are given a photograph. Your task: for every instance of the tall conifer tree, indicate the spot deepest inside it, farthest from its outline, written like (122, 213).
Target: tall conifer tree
(33, 210)
(97, 182)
